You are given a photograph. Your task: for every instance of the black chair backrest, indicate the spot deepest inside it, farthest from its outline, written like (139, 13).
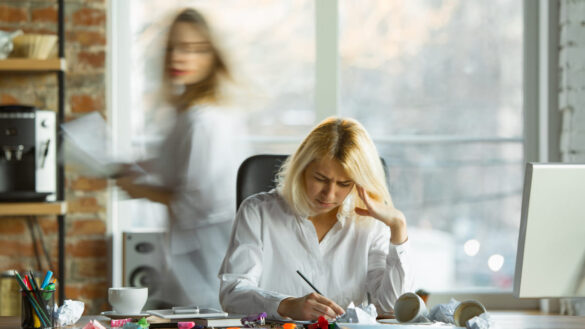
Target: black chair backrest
(257, 174)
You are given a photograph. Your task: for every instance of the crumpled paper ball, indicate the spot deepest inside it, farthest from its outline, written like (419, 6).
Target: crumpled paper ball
(444, 312)
(482, 321)
(69, 313)
(355, 314)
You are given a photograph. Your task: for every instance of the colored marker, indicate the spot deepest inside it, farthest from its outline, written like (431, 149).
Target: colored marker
(47, 279)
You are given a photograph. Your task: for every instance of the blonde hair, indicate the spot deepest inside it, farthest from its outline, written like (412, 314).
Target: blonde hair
(209, 88)
(341, 139)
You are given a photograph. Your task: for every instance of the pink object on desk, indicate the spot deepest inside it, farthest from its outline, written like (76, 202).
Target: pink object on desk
(186, 325)
(93, 324)
(119, 322)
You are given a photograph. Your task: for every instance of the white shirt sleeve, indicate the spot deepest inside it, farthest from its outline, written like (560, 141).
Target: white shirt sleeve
(389, 271)
(243, 266)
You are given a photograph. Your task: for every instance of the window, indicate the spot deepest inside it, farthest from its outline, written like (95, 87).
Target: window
(439, 87)
(437, 84)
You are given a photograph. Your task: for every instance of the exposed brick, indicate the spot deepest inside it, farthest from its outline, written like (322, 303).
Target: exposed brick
(101, 307)
(87, 248)
(87, 38)
(85, 28)
(11, 14)
(95, 290)
(13, 226)
(14, 80)
(83, 205)
(40, 29)
(7, 263)
(8, 99)
(73, 291)
(90, 269)
(48, 14)
(89, 17)
(85, 103)
(87, 227)
(92, 59)
(89, 184)
(49, 225)
(16, 248)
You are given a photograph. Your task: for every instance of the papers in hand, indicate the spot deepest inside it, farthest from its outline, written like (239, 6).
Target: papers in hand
(89, 149)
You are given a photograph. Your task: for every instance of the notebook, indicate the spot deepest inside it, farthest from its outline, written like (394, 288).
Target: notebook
(205, 317)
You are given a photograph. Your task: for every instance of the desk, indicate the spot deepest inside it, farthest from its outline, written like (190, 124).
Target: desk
(503, 320)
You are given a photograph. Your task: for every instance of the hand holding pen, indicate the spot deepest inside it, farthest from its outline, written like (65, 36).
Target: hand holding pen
(309, 307)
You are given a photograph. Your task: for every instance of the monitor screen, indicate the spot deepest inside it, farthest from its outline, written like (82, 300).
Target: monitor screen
(551, 245)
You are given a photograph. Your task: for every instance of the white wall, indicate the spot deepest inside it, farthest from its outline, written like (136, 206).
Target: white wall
(572, 79)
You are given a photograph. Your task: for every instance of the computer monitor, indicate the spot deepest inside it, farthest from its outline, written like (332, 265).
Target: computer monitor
(551, 246)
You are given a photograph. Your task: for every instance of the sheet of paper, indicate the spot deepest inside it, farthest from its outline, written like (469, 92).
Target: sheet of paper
(88, 146)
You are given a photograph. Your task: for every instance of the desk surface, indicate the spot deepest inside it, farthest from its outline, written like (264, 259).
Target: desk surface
(503, 320)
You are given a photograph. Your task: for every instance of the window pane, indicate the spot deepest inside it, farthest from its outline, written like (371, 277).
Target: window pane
(439, 87)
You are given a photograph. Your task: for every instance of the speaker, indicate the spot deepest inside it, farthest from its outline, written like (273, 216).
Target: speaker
(144, 264)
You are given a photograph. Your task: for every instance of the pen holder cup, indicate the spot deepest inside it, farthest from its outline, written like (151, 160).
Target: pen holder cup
(37, 308)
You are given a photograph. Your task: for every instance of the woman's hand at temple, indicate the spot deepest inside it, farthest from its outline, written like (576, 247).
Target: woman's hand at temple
(385, 213)
(309, 307)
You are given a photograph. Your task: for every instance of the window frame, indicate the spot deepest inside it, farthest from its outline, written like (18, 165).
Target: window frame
(542, 121)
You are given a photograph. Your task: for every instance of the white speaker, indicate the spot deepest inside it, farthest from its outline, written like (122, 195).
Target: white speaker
(144, 265)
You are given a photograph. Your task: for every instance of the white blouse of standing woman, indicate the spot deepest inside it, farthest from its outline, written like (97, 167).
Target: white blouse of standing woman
(197, 163)
(331, 218)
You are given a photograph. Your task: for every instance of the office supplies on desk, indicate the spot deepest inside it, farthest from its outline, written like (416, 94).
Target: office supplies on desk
(202, 313)
(220, 322)
(116, 316)
(46, 279)
(37, 305)
(178, 325)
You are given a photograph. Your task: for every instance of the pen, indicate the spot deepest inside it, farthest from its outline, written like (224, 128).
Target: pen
(309, 282)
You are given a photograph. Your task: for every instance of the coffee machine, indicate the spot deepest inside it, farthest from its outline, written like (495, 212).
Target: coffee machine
(28, 159)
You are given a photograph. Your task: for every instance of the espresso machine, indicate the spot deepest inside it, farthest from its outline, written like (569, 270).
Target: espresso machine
(28, 159)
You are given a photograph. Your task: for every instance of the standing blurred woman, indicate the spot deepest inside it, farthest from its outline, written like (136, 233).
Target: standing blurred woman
(197, 164)
(332, 219)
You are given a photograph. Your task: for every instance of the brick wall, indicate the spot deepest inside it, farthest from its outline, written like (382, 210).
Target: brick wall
(572, 79)
(86, 251)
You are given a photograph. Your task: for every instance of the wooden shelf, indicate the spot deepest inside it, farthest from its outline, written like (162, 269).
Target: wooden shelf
(33, 208)
(32, 65)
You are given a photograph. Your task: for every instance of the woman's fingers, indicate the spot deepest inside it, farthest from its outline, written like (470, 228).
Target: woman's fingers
(331, 307)
(322, 306)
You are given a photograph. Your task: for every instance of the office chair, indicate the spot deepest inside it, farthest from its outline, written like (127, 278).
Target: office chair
(258, 174)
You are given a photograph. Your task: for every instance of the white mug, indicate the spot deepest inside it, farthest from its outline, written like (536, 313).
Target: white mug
(127, 300)
(466, 310)
(411, 308)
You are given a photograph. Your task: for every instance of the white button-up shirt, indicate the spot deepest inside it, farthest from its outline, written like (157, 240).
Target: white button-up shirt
(269, 243)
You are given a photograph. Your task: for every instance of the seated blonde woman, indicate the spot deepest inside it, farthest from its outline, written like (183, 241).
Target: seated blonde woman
(331, 218)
